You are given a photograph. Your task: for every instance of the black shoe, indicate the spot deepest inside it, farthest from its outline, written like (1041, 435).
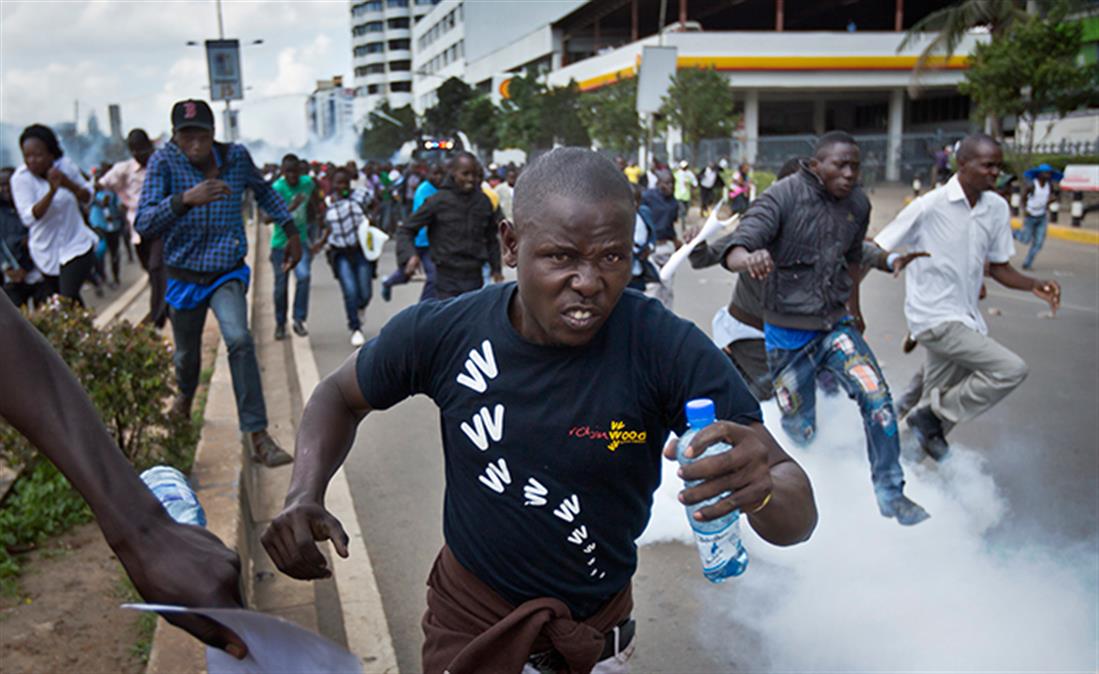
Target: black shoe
(300, 329)
(387, 292)
(929, 432)
(280, 332)
(906, 511)
(263, 449)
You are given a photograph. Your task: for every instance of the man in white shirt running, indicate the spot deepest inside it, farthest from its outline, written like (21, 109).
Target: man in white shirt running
(961, 225)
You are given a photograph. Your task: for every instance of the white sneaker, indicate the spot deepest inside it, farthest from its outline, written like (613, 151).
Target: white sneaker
(357, 338)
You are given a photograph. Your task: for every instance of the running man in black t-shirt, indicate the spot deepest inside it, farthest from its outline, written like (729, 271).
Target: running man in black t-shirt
(556, 395)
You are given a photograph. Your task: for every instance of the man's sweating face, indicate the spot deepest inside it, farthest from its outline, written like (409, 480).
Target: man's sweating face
(837, 166)
(195, 143)
(573, 262)
(981, 167)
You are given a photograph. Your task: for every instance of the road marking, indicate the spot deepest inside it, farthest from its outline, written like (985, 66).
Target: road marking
(365, 624)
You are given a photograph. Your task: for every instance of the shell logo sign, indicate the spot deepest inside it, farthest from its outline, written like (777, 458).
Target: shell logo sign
(505, 88)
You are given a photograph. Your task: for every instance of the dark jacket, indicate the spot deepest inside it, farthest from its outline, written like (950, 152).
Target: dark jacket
(462, 228)
(664, 211)
(813, 238)
(747, 303)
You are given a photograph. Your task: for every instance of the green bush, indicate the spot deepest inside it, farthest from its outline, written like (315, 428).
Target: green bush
(127, 372)
(41, 504)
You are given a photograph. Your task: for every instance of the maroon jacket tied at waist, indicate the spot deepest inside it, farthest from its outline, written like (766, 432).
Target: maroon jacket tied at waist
(469, 628)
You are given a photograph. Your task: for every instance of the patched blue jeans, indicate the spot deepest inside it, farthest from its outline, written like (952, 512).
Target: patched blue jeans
(843, 353)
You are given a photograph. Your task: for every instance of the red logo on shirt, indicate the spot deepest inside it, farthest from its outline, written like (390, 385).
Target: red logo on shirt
(618, 435)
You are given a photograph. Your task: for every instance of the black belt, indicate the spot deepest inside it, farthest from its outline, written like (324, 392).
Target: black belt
(551, 662)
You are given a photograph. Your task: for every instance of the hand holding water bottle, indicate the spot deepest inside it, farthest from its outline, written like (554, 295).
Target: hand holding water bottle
(745, 470)
(765, 482)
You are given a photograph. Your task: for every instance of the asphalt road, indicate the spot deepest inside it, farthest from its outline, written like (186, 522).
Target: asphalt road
(1002, 577)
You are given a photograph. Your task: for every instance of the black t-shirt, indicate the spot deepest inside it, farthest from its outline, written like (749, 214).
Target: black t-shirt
(552, 453)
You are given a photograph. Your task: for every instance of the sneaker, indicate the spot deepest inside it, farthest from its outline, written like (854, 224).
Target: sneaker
(358, 338)
(280, 332)
(263, 449)
(907, 511)
(387, 292)
(299, 329)
(929, 432)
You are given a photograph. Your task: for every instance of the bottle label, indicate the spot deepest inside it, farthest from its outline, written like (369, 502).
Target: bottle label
(716, 548)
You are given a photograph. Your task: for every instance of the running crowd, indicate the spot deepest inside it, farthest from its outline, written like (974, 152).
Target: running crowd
(550, 589)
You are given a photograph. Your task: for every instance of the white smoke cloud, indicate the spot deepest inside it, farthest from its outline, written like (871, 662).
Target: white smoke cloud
(865, 594)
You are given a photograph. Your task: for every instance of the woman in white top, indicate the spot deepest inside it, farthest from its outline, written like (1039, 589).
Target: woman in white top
(48, 190)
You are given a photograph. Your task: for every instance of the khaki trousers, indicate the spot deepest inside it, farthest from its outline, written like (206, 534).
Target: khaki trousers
(966, 372)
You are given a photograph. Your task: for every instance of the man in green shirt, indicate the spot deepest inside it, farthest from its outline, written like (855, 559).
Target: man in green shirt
(296, 190)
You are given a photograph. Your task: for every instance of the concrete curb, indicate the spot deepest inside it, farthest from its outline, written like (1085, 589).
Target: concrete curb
(116, 308)
(365, 624)
(1074, 234)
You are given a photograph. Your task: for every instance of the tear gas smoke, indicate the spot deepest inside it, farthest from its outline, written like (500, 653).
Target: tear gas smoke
(865, 594)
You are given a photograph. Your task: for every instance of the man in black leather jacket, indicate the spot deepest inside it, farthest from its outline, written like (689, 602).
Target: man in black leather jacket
(805, 237)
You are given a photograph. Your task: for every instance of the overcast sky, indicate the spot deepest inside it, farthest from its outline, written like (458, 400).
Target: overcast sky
(53, 53)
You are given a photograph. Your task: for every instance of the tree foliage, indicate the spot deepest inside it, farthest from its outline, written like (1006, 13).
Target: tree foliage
(445, 116)
(610, 115)
(1029, 70)
(536, 116)
(479, 119)
(699, 102)
(388, 130)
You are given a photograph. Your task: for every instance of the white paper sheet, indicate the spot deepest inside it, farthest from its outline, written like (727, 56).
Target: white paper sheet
(667, 272)
(274, 644)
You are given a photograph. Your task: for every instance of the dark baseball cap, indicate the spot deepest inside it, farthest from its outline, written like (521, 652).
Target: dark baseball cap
(192, 113)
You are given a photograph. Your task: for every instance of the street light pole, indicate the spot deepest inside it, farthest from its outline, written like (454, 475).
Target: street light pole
(228, 116)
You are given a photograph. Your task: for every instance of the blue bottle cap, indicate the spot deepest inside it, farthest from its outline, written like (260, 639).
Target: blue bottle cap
(700, 413)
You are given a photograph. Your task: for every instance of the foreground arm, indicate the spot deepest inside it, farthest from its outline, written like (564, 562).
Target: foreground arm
(169, 563)
(325, 435)
(767, 485)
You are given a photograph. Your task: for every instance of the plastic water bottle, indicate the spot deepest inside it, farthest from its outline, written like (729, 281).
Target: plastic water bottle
(719, 545)
(174, 493)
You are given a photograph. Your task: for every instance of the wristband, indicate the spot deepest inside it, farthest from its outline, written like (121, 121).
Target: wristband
(891, 259)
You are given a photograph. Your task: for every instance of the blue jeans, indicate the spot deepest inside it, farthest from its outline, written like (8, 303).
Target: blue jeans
(231, 310)
(356, 276)
(1034, 233)
(844, 354)
(398, 277)
(301, 284)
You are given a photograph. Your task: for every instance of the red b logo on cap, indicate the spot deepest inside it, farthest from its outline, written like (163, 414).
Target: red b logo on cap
(189, 110)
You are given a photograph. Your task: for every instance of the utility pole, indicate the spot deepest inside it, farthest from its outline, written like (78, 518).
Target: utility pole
(227, 117)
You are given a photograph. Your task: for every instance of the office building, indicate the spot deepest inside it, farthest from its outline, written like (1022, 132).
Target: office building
(329, 110)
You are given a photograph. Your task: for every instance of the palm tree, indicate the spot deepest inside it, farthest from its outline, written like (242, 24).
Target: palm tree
(952, 24)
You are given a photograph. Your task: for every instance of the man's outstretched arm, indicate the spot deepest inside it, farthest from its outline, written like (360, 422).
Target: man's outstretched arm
(1006, 275)
(325, 435)
(169, 563)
